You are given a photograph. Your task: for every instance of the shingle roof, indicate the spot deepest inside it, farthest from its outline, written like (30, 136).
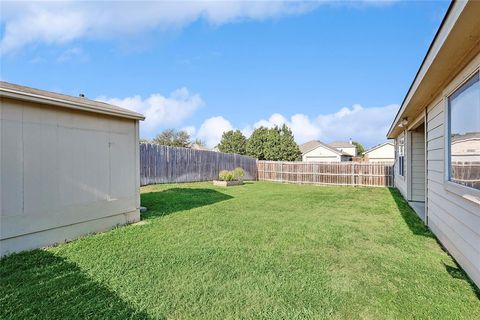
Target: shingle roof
(80, 103)
(341, 144)
(313, 144)
(378, 146)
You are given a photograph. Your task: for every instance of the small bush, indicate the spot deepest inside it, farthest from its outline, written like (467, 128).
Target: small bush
(226, 175)
(238, 173)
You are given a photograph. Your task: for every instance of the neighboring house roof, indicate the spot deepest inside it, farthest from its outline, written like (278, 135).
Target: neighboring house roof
(465, 137)
(314, 144)
(15, 91)
(341, 144)
(378, 146)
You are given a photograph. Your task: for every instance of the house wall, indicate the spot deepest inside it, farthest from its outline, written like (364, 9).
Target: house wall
(321, 154)
(401, 181)
(64, 173)
(351, 151)
(454, 219)
(417, 164)
(382, 154)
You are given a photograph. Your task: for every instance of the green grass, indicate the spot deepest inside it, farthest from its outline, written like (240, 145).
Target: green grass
(256, 251)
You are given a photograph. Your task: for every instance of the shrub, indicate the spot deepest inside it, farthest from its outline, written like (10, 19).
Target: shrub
(226, 175)
(238, 173)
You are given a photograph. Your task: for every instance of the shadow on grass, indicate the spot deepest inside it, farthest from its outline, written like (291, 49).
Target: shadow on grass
(414, 223)
(458, 273)
(417, 227)
(41, 285)
(169, 201)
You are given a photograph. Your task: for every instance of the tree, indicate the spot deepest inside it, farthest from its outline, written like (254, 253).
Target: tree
(276, 144)
(233, 141)
(289, 150)
(144, 141)
(255, 146)
(173, 138)
(360, 148)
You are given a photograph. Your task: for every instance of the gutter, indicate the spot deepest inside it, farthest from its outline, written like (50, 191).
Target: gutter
(13, 94)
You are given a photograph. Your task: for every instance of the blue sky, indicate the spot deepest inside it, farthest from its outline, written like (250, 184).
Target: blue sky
(331, 70)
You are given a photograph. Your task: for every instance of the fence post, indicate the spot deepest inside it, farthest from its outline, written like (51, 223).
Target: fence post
(353, 173)
(281, 171)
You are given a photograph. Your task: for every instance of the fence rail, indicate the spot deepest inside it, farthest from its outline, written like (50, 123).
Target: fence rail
(376, 174)
(162, 164)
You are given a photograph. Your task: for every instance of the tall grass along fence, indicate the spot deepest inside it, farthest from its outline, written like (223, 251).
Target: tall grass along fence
(162, 164)
(328, 173)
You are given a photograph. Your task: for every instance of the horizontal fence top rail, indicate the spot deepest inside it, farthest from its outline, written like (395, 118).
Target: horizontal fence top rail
(328, 173)
(164, 164)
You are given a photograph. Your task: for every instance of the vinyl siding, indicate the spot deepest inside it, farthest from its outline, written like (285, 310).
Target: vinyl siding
(321, 154)
(453, 219)
(418, 166)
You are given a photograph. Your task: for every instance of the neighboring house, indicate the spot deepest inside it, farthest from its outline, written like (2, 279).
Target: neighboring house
(384, 152)
(345, 147)
(436, 135)
(466, 147)
(69, 166)
(196, 146)
(316, 151)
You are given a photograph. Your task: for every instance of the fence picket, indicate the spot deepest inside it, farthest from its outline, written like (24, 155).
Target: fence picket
(162, 164)
(378, 174)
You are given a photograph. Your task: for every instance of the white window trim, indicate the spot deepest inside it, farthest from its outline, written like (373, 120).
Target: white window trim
(465, 192)
(397, 159)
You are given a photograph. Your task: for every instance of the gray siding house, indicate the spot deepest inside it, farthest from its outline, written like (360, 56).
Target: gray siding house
(69, 166)
(437, 137)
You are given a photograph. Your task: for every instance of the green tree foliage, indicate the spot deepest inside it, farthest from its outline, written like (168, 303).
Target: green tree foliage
(173, 138)
(277, 144)
(289, 150)
(233, 141)
(256, 143)
(144, 141)
(360, 148)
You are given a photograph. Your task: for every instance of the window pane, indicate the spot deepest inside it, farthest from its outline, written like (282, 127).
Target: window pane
(465, 134)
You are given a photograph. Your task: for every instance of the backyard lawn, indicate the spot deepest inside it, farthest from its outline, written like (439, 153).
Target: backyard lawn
(262, 250)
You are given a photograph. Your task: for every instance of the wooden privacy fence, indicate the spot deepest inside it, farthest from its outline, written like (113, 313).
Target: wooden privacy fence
(162, 164)
(328, 173)
(466, 173)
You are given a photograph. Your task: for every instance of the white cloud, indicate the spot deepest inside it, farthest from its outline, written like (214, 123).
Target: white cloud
(160, 111)
(212, 129)
(191, 130)
(59, 22)
(366, 125)
(63, 21)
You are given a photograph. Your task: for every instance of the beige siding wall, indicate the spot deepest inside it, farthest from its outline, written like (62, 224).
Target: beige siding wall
(454, 219)
(382, 154)
(351, 151)
(321, 154)
(417, 165)
(60, 169)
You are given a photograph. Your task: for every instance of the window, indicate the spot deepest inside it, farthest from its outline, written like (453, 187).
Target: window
(464, 134)
(401, 156)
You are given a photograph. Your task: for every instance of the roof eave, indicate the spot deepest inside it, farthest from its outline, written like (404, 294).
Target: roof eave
(442, 33)
(13, 94)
